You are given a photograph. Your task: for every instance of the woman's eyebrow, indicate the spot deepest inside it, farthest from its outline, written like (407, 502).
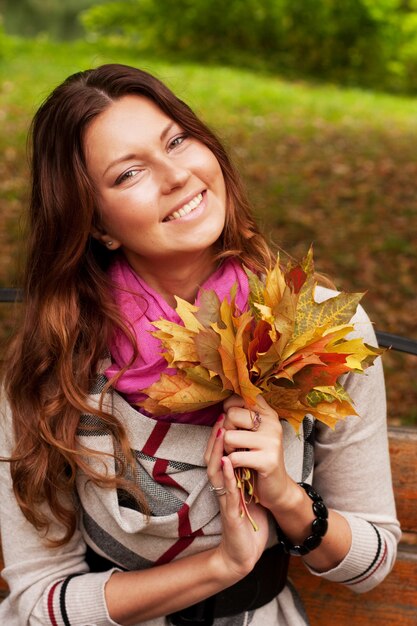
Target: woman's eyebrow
(127, 157)
(167, 129)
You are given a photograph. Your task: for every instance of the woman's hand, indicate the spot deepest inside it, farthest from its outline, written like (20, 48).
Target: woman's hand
(260, 450)
(241, 546)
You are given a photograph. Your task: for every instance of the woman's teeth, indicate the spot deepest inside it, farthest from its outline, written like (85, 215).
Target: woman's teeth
(186, 209)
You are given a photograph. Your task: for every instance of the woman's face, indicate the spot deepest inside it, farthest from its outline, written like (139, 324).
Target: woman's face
(160, 192)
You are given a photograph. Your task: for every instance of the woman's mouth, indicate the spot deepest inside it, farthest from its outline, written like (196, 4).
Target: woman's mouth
(186, 209)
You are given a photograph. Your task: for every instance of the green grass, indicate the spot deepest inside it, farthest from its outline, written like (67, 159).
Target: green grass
(38, 65)
(322, 164)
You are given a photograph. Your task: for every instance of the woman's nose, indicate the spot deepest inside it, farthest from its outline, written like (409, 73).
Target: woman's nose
(173, 175)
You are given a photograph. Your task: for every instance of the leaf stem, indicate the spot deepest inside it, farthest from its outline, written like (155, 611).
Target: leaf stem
(245, 479)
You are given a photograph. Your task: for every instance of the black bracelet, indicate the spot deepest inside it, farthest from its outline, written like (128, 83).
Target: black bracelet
(318, 527)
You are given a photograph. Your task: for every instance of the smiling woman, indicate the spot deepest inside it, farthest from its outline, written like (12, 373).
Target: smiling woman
(113, 515)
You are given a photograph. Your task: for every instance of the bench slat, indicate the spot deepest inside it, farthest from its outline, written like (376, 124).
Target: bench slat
(394, 601)
(403, 451)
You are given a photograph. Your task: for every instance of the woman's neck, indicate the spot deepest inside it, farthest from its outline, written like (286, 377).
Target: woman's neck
(180, 277)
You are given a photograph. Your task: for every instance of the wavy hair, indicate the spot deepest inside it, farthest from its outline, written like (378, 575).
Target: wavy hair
(68, 312)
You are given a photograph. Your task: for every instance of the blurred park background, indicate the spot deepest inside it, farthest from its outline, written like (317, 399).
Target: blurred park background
(316, 100)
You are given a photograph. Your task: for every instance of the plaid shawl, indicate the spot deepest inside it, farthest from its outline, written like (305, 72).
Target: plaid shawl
(171, 472)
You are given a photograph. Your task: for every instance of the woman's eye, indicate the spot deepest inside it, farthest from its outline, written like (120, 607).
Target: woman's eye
(126, 175)
(177, 141)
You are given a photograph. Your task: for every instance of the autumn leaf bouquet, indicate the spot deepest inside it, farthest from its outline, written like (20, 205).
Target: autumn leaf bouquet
(285, 346)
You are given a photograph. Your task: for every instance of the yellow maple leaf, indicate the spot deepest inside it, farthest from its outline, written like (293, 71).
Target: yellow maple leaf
(248, 391)
(177, 341)
(331, 412)
(357, 351)
(181, 393)
(226, 331)
(285, 315)
(265, 312)
(274, 286)
(186, 312)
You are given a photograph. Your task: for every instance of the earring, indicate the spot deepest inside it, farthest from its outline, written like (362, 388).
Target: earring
(109, 244)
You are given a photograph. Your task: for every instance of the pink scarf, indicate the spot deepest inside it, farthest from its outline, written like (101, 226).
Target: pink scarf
(140, 305)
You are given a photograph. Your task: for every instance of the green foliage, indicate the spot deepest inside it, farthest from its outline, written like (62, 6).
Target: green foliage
(3, 40)
(363, 42)
(333, 39)
(57, 18)
(7, 44)
(191, 28)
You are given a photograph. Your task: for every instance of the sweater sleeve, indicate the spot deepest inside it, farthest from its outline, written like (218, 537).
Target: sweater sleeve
(48, 585)
(352, 473)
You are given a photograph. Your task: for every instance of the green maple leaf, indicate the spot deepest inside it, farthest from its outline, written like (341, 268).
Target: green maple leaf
(256, 292)
(328, 394)
(332, 312)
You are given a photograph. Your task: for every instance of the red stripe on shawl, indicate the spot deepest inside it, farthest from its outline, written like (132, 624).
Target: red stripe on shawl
(178, 547)
(184, 526)
(160, 475)
(186, 537)
(156, 438)
(51, 604)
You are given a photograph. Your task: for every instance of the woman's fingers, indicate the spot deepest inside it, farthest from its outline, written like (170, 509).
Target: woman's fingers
(233, 400)
(259, 450)
(241, 546)
(245, 429)
(237, 416)
(250, 438)
(253, 439)
(260, 461)
(262, 404)
(237, 401)
(214, 459)
(222, 479)
(213, 436)
(232, 500)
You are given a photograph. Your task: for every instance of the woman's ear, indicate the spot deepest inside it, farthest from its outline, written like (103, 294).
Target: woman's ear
(104, 238)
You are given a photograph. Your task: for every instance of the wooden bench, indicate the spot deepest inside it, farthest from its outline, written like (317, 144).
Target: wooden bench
(393, 602)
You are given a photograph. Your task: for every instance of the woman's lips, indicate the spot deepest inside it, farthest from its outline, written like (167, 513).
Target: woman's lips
(186, 209)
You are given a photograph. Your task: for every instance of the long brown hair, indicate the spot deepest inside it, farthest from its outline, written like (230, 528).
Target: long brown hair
(68, 311)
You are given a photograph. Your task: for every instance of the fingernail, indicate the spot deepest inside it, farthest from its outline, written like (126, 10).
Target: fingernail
(219, 433)
(220, 418)
(222, 462)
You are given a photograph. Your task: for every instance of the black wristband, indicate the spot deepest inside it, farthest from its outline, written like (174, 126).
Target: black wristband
(318, 527)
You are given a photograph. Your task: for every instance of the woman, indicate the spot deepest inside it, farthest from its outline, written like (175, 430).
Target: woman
(107, 514)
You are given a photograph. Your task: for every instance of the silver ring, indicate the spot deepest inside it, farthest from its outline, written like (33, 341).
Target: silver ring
(256, 421)
(218, 491)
